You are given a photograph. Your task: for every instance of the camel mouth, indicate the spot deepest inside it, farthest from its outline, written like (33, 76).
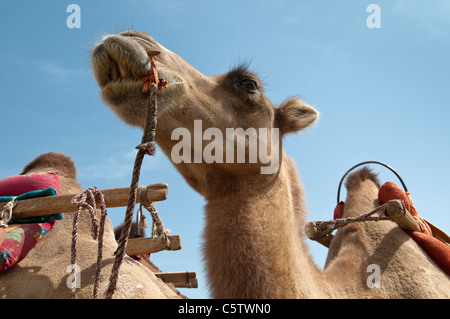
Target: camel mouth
(122, 60)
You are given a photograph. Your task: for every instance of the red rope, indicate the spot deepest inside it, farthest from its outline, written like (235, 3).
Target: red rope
(153, 78)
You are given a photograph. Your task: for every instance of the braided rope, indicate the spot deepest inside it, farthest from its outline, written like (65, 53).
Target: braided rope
(146, 147)
(325, 228)
(87, 201)
(73, 258)
(158, 226)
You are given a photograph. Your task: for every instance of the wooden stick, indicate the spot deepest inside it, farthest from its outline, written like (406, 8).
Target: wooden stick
(397, 211)
(184, 279)
(312, 233)
(140, 246)
(114, 197)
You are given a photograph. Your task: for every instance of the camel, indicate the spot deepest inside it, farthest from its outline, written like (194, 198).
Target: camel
(44, 271)
(254, 245)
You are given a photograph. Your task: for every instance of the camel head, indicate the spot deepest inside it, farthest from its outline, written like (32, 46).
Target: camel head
(195, 111)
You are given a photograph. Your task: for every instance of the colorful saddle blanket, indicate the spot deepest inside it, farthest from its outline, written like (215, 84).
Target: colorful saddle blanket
(17, 240)
(21, 235)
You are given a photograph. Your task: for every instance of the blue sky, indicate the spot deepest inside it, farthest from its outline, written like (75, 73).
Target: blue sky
(383, 94)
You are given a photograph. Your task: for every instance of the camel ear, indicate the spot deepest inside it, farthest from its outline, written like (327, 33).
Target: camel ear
(294, 115)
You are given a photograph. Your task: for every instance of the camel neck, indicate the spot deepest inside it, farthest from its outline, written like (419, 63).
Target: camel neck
(253, 247)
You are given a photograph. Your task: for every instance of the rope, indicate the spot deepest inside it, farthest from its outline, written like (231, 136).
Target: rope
(87, 201)
(327, 227)
(158, 226)
(6, 213)
(146, 147)
(150, 85)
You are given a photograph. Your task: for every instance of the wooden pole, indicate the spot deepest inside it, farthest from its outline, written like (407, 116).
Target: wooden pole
(312, 233)
(183, 279)
(114, 197)
(147, 245)
(397, 211)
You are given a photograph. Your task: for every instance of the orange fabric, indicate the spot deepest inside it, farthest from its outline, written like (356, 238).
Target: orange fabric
(423, 224)
(389, 191)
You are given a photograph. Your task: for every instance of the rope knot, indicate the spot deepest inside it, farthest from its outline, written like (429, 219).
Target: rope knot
(148, 148)
(158, 225)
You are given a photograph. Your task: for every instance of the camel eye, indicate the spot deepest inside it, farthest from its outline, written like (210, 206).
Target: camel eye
(248, 85)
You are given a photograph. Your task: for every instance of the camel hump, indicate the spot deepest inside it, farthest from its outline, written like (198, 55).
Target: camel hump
(59, 163)
(355, 179)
